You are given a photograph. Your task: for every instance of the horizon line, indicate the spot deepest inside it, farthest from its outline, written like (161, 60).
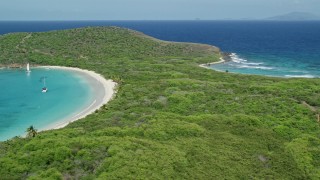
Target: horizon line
(68, 20)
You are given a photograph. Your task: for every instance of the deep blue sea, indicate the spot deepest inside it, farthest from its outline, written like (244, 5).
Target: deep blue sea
(272, 48)
(283, 49)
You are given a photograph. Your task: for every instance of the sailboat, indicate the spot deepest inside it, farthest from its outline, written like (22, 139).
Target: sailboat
(28, 68)
(44, 89)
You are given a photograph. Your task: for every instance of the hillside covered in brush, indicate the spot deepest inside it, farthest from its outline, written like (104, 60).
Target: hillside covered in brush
(170, 119)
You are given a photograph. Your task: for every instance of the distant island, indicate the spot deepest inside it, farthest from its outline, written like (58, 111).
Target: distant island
(295, 16)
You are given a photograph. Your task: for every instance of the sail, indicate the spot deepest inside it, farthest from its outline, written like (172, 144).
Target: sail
(28, 68)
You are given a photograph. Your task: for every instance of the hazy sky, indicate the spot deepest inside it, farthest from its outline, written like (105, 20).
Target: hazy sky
(150, 9)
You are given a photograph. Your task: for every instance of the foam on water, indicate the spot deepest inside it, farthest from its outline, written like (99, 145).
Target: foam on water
(235, 58)
(257, 64)
(243, 65)
(255, 67)
(300, 76)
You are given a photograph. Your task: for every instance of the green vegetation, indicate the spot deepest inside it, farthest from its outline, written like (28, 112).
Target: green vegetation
(31, 132)
(170, 119)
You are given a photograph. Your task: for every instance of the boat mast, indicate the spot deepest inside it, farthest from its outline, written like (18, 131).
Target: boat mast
(28, 68)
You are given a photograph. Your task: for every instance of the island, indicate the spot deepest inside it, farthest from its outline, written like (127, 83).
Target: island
(170, 118)
(295, 16)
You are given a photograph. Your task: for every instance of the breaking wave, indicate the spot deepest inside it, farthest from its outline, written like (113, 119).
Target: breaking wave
(243, 63)
(300, 76)
(255, 67)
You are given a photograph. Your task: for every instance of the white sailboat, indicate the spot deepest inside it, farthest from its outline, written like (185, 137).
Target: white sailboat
(44, 89)
(28, 68)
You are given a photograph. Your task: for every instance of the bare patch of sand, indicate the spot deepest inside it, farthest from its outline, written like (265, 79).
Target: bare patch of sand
(207, 65)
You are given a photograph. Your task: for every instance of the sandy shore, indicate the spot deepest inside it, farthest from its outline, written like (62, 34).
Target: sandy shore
(103, 91)
(208, 64)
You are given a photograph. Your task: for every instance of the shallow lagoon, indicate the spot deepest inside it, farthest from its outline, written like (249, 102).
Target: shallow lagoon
(23, 104)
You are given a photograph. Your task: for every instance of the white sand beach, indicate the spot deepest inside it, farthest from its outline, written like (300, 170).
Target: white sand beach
(103, 91)
(208, 64)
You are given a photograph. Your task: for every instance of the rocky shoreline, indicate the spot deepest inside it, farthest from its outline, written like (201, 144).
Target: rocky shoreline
(226, 56)
(12, 66)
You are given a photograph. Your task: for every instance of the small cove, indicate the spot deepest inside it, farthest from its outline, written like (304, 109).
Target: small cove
(23, 104)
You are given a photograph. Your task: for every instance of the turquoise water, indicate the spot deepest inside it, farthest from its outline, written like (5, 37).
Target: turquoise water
(23, 104)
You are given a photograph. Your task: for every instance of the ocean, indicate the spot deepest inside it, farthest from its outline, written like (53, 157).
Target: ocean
(271, 48)
(23, 104)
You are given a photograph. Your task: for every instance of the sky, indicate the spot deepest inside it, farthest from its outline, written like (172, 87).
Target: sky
(151, 9)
